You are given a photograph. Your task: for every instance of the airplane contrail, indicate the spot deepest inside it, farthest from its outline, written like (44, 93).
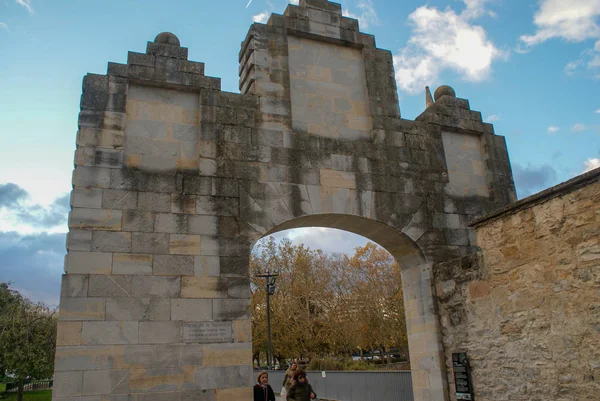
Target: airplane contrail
(249, 2)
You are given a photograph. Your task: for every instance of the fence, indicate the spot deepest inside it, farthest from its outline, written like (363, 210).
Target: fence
(30, 385)
(355, 386)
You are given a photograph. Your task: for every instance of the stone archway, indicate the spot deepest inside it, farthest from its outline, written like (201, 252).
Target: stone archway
(175, 179)
(423, 330)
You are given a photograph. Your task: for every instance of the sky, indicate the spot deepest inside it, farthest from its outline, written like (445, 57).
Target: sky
(530, 66)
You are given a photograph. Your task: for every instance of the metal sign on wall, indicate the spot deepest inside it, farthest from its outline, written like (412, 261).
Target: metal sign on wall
(462, 376)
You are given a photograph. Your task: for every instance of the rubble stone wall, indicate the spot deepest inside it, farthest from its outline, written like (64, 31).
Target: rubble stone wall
(526, 309)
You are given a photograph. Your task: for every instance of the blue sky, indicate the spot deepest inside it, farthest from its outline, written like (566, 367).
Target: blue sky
(532, 67)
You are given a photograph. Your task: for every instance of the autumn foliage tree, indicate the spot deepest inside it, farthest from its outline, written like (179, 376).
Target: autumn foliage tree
(27, 338)
(327, 305)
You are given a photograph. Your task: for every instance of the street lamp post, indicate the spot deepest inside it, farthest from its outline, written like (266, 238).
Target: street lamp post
(270, 290)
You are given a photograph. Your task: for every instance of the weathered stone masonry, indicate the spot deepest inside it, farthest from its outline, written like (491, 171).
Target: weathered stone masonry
(526, 309)
(175, 180)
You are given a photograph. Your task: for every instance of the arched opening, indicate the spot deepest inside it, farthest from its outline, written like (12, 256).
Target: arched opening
(420, 320)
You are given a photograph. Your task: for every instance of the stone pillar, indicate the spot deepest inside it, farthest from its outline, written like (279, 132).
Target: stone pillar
(427, 360)
(155, 297)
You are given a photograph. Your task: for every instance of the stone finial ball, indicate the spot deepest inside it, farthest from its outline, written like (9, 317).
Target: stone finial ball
(443, 90)
(167, 38)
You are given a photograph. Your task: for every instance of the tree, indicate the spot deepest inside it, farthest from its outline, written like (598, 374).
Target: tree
(327, 304)
(27, 338)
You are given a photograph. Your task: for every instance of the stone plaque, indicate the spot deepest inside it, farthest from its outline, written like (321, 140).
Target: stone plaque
(462, 376)
(207, 332)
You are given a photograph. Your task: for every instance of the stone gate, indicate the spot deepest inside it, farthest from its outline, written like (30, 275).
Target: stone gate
(175, 181)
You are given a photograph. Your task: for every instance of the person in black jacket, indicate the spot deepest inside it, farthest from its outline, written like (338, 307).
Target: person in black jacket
(262, 390)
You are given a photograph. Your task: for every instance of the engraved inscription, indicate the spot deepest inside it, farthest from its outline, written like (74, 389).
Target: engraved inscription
(207, 332)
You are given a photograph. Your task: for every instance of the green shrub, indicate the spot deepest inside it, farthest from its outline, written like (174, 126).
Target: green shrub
(332, 363)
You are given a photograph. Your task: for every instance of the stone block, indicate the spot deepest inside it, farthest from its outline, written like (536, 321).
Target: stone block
(201, 395)
(225, 187)
(111, 241)
(143, 181)
(109, 333)
(77, 262)
(225, 377)
(180, 244)
(137, 220)
(181, 203)
(86, 197)
(228, 354)
(233, 394)
(171, 223)
(67, 384)
(135, 264)
(68, 333)
(119, 199)
(203, 225)
(231, 309)
(197, 185)
(242, 330)
(104, 382)
(109, 286)
(141, 309)
(95, 219)
(91, 177)
(166, 50)
(81, 309)
(74, 285)
(109, 158)
(160, 332)
(234, 266)
(203, 287)
(150, 286)
(150, 243)
(79, 240)
(337, 179)
(165, 356)
(219, 206)
(173, 265)
(238, 287)
(97, 357)
(154, 202)
(192, 310)
(206, 266)
(158, 380)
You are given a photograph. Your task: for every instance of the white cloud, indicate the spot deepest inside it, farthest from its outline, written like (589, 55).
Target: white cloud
(3, 26)
(329, 240)
(445, 40)
(552, 129)
(579, 127)
(475, 9)
(591, 164)
(597, 111)
(493, 118)
(367, 17)
(296, 2)
(26, 4)
(572, 66)
(572, 21)
(261, 18)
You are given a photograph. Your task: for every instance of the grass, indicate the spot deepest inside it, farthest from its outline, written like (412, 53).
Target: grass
(43, 395)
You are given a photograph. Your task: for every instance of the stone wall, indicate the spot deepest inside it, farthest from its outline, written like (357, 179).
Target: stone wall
(526, 309)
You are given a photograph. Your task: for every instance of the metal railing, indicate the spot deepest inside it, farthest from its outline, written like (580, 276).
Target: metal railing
(355, 385)
(31, 385)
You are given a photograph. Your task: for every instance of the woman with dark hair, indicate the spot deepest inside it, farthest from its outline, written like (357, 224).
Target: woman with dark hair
(262, 390)
(301, 390)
